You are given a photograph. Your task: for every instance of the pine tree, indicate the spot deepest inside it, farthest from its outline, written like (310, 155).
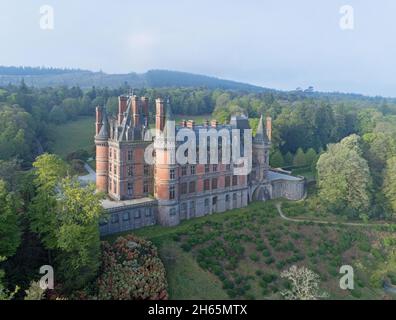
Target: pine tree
(300, 159)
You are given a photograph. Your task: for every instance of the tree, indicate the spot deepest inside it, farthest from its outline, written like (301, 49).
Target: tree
(390, 183)
(34, 292)
(276, 160)
(49, 170)
(78, 212)
(310, 157)
(288, 159)
(304, 284)
(10, 233)
(344, 180)
(299, 158)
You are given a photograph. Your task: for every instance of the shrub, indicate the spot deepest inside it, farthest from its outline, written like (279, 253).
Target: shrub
(132, 270)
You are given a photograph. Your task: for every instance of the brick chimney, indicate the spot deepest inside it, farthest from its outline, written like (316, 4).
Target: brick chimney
(122, 106)
(159, 114)
(135, 110)
(268, 126)
(99, 119)
(145, 110)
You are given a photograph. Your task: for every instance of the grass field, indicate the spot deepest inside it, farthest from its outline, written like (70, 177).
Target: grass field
(79, 134)
(240, 254)
(73, 136)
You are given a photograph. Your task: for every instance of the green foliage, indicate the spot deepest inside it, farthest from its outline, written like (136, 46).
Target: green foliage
(390, 183)
(131, 270)
(276, 159)
(10, 233)
(300, 159)
(344, 180)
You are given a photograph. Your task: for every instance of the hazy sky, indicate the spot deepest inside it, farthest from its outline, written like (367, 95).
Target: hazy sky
(280, 44)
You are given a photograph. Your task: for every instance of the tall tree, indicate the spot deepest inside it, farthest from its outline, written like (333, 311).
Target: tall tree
(344, 180)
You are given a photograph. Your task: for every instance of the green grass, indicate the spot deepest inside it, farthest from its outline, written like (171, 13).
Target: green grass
(72, 136)
(186, 280)
(240, 254)
(198, 119)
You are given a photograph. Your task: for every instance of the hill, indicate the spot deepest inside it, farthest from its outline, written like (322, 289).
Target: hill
(45, 77)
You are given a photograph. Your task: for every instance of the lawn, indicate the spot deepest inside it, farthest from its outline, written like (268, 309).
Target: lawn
(73, 135)
(240, 254)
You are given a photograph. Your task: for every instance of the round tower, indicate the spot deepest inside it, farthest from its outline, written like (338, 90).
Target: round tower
(102, 150)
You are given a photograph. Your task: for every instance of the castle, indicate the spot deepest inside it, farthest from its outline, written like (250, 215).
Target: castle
(165, 192)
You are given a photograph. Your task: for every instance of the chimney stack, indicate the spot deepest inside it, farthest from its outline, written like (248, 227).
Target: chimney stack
(122, 106)
(145, 110)
(135, 110)
(269, 128)
(160, 114)
(99, 119)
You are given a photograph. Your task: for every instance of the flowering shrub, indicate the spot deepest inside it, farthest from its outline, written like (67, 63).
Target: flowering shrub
(131, 269)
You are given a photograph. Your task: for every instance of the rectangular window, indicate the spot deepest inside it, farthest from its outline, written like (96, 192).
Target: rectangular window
(172, 174)
(192, 208)
(110, 152)
(137, 214)
(214, 167)
(191, 187)
(145, 187)
(129, 155)
(110, 167)
(207, 169)
(228, 167)
(206, 184)
(125, 216)
(214, 183)
(234, 180)
(130, 188)
(172, 212)
(148, 212)
(115, 186)
(146, 170)
(115, 169)
(114, 218)
(130, 171)
(192, 168)
(183, 188)
(172, 192)
(227, 181)
(184, 170)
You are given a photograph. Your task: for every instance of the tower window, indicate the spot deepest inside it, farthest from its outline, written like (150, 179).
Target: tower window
(234, 180)
(146, 170)
(172, 192)
(172, 174)
(184, 170)
(129, 155)
(192, 168)
(130, 171)
(207, 169)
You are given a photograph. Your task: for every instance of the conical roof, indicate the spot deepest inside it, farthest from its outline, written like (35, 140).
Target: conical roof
(104, 131)
(261, 134)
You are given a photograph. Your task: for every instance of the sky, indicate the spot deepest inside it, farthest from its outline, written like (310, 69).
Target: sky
(281, 44)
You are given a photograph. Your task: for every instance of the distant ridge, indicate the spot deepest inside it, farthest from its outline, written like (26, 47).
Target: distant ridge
(44, 77)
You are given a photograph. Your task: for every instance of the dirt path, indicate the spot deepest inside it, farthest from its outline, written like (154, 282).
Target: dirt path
(278, 206)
